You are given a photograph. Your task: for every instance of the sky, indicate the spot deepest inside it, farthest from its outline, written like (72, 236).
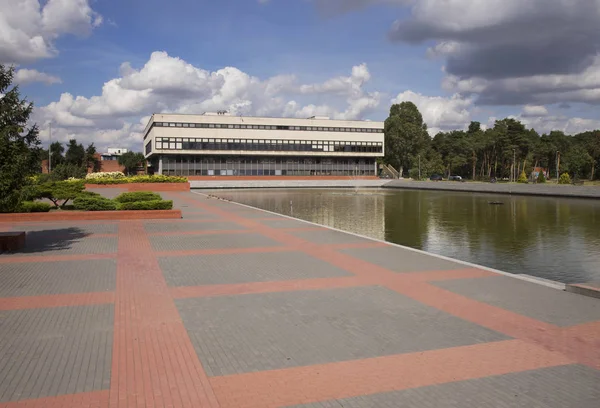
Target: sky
(97, 69)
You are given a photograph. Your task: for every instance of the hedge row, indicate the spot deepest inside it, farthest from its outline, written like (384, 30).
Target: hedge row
(137, 196)
(139, 200)
(33, 207)
(137, 179)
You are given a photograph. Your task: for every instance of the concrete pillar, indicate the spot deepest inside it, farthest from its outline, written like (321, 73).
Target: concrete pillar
(160, 165)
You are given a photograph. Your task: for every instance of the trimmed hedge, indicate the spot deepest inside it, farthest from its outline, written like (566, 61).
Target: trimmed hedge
(137, 196)
(88, 194)
(147, 205)
(87, 203)
(34, 207)
(137, 179)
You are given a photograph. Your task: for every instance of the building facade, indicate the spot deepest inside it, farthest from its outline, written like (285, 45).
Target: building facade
(218, 144)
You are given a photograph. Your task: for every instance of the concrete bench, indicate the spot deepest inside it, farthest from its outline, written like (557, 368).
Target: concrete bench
(12, 240)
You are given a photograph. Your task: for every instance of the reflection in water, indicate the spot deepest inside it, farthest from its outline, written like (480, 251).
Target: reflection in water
(551, 238)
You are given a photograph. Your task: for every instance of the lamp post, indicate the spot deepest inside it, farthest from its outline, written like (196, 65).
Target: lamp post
(419, 167)
(514, 166)
(50, 148)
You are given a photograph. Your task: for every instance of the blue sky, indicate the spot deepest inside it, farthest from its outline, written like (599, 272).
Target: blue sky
(347, 59)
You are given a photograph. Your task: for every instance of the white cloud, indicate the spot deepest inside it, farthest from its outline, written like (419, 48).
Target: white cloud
(170, 84)
(534, 111)
(26, 76)
(570, 126)
(28, 28)
(438, 112)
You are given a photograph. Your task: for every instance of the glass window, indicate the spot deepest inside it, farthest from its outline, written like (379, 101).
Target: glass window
(236, 126)
(254, 126)
(218, 126)
(178, 124)
(261, 126)
(230, 126)
(171, 124)
(211, 125)
(186, 125)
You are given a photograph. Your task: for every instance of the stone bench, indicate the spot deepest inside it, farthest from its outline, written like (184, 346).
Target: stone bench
(12, 240)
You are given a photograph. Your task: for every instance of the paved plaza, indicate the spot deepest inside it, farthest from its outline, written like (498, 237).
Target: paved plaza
(236, 307)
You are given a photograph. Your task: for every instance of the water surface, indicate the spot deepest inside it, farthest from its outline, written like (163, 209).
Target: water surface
(552, 238)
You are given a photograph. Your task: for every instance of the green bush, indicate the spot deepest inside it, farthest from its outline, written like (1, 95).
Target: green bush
(541, 179)
(137, 179)
(67, 171)
(86, 193)
(34, 206)
(61, 191)
(147, 205)
(564, 179)
(138, 196)
(157, 179)
(87, 203)
(523, 178)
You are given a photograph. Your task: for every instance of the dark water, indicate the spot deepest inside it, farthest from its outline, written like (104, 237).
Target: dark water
(552, 238)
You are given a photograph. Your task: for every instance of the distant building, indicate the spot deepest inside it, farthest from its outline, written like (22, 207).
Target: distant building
(218, 144)
(112, 154)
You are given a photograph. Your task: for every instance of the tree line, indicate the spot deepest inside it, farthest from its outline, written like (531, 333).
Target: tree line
(503, 151)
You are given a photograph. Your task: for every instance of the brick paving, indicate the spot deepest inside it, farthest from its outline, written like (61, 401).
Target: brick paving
(236, 307)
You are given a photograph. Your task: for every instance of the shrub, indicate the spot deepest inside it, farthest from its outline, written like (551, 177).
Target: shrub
(86, 193)
(133, 179)
(67, 171)
(58, 191)
(34, 206)
(88, 203)
(137, 196)
(522, 178)
(157, 179)
(541, 179)
(105, 175)
(564, 179)
(147, 205)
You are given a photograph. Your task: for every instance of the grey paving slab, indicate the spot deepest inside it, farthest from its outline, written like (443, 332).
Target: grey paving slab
(284, 223)
(241, 268)
(70, 228)
(217, 241)
(51, 278)
(402, 260)
(49, 352)
(245, 333)
(65, 241)
(528, 299)
(327, 236)
(180, 226)
(570, 386)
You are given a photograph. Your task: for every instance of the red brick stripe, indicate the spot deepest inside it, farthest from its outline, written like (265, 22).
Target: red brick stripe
(183, 292)
(44, 301)
(154, 362)
(314, 383)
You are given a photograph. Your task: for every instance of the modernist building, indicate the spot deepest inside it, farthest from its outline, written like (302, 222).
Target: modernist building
(218, 144)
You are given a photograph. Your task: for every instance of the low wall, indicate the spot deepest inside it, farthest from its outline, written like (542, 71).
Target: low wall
(547, 189)
(218, 183)
(145, 186)
(91, 215)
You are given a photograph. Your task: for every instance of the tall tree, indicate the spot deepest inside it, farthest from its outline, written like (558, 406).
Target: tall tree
(91, 161)
(131, 161)
(405, 135)
(56, 154)
(75, 154)
(18, 142)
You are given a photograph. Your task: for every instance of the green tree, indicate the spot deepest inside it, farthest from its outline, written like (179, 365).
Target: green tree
(75, 153)
(564, 179)
(56, 154)
(19, 143)
(66, 171)
(61, 192)
(578, 162)
(405, 135)
(91, 161)
(131, 161)
(541, 179)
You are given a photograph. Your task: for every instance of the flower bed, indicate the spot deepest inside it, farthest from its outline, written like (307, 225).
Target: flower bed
(119, 178)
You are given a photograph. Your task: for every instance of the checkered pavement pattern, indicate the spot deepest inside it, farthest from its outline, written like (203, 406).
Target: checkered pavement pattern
(236, 307)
